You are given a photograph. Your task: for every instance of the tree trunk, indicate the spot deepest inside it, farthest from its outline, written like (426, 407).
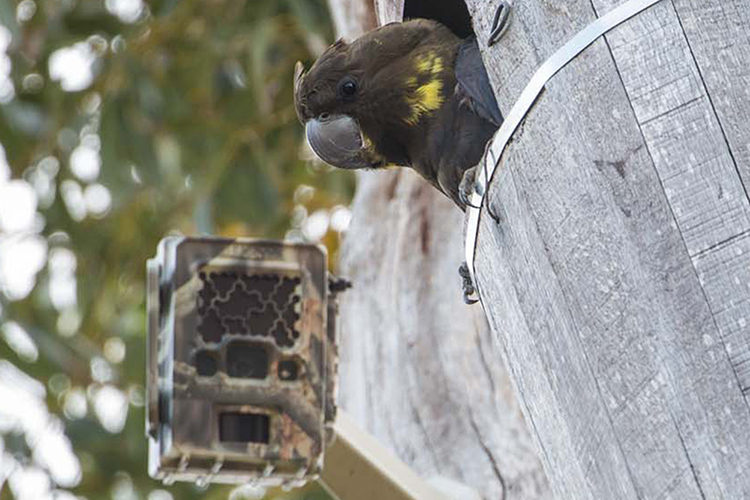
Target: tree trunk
(618, 278)
(419, 369)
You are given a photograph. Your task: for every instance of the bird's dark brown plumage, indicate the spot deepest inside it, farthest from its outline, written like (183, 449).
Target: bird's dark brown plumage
(417, 95)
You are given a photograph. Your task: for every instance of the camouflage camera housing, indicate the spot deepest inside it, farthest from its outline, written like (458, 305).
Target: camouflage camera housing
(242, 358)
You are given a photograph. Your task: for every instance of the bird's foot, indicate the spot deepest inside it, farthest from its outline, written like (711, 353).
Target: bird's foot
(337, 285)
(469, 180)
(467, 284)
(468, 187)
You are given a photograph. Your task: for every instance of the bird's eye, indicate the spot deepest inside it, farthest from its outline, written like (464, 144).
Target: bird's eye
(348, 88)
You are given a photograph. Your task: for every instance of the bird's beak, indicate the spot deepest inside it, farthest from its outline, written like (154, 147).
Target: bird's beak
(337, 140)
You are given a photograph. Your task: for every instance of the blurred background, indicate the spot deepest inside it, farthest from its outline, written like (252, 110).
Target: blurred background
(121, 122)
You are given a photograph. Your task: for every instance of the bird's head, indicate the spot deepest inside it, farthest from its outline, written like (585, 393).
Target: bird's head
(331, 86)
(381, 80)
(326, 99)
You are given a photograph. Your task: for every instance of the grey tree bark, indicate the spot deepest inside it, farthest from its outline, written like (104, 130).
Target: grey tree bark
(618, 280)
(419, 369)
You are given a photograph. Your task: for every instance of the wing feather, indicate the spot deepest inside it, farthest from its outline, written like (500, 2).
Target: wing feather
(474, 88)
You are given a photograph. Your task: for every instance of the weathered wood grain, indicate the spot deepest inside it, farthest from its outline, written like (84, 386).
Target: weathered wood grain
(724, 273)
(419, 368)
(680, 127)
(719, 40)
(352, 18)
(609, 200)
(693, 156)
(718, 37)
(389, 10)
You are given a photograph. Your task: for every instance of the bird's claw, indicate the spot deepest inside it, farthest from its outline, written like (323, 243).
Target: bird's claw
(467, 297)
(499, 23)
(468, 187)
(467, 284)
(494, 216)
(468, 203)
(466, 200)
(337, 285)
(485, 199)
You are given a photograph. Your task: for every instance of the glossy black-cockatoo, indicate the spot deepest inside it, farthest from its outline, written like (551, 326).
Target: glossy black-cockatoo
(407, 94)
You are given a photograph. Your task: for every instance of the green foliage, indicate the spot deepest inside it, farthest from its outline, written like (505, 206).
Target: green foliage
(190, 112)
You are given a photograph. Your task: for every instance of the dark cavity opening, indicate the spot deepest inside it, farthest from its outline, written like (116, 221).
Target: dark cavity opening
(452, 13)
(247, 360)
(244, 427)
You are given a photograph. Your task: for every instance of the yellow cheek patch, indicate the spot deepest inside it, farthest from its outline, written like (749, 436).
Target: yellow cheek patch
(426, 98)
(430, 63)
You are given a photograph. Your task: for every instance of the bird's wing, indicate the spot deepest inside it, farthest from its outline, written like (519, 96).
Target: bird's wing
(473, 83)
